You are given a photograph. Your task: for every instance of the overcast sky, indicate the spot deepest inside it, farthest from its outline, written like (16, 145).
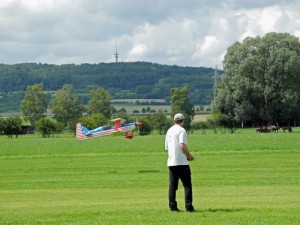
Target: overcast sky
(172, 32)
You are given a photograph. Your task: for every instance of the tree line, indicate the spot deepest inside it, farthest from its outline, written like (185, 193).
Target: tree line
(261, 82)
(136, 80)
(260, 85)
(68, 110)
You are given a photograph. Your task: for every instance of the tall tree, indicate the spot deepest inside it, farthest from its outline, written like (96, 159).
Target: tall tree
(217, 79)
(181, 104)
(66, 107)
(99, 102)
(261, 80)
(34, 104)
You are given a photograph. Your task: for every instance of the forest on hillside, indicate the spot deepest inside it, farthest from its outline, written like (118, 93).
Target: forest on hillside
(138, 80)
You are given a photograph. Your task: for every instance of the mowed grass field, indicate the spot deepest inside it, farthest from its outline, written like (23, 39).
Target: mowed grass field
(241, 178)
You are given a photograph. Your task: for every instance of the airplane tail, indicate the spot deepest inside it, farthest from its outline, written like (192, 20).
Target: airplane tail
(118, 122)
(80, 129)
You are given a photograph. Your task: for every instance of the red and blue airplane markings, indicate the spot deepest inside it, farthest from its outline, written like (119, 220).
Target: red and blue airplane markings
(83, 133)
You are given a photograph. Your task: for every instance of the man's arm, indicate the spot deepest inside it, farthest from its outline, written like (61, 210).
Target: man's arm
(166, 143)
(185, 151)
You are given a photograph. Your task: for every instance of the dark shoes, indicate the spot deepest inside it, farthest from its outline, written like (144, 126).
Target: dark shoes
(175, 210)
(191, 210)
(188, 210)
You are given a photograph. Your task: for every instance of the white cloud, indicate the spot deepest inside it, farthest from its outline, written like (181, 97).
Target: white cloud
(269, 18)
(188, 33)
(137, 51)
(210, 42)
(167, 41)
(38, 5)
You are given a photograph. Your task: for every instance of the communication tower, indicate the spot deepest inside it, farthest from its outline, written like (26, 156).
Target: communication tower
(116, 54)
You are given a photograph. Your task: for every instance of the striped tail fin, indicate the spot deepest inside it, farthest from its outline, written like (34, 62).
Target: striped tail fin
(79, 134)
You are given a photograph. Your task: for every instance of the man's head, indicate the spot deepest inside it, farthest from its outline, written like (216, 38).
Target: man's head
(178, 118)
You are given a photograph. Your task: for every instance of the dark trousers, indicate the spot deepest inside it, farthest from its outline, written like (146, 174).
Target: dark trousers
(184, 174)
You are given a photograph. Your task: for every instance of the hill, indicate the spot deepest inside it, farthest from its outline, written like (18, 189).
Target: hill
(122, 80)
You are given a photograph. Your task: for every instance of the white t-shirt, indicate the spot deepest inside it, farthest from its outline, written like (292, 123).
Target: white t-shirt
(175, 136)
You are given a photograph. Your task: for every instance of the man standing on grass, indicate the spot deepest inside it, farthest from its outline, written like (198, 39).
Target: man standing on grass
(178, 157)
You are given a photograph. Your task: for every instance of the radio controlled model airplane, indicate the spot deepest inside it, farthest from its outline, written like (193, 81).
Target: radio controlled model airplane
(83, 133)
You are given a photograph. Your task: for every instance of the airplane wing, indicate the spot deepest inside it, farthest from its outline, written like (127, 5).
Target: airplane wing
(82, 133)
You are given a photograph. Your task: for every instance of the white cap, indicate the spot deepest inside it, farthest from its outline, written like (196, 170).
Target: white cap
(178, 116)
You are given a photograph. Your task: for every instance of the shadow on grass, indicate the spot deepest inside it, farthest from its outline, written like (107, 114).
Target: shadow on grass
(222, 210)
(139, 171)
(148, 171)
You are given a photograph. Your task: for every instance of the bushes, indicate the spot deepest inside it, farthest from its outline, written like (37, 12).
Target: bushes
(1, 126)
(146, 127)
(48, 127)
(160, 122)
(157, 123)
(11, 126)
(199, 125)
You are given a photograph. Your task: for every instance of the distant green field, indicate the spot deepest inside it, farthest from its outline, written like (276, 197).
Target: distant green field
(241, 178)
(131, 107)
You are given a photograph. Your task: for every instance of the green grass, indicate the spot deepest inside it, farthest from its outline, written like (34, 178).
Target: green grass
(242, 178)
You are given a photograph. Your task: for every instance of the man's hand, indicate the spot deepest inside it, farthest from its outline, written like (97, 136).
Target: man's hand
(185, 150)
(190, 157)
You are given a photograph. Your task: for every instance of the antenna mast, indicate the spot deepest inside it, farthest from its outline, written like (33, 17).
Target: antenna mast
(117, 53)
